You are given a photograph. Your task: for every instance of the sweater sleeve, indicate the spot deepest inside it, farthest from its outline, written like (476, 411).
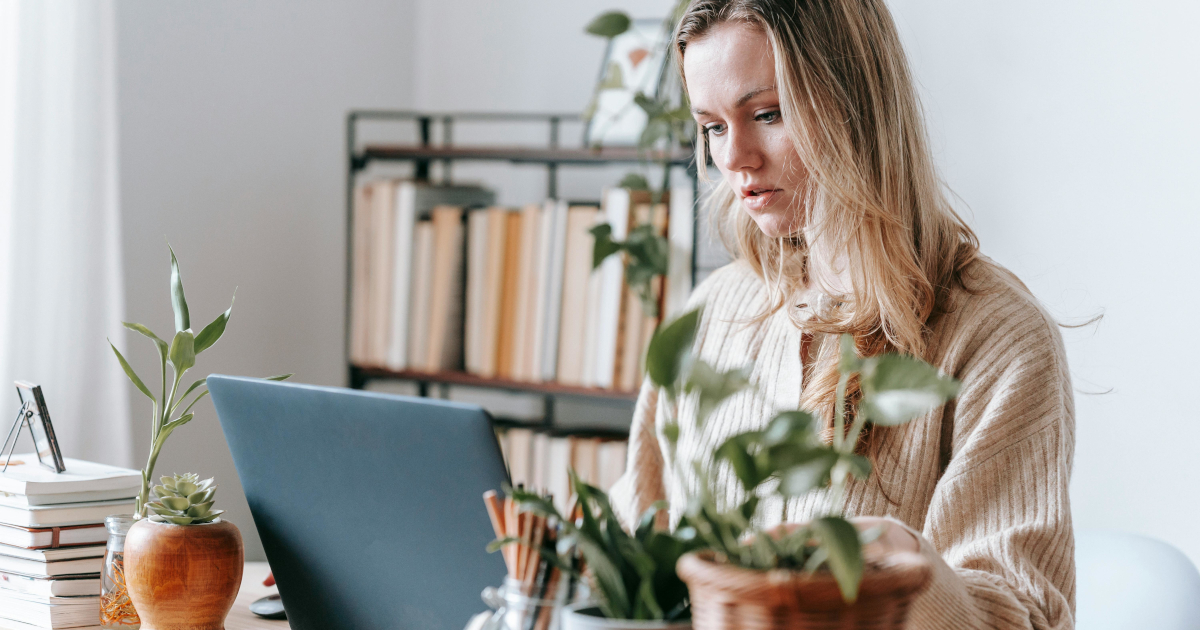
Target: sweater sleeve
(642, 484)
(998, 530)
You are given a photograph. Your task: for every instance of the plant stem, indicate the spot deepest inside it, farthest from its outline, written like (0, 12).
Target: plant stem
(839, 413)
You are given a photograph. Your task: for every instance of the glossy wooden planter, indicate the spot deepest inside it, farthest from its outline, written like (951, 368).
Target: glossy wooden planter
(183, 577)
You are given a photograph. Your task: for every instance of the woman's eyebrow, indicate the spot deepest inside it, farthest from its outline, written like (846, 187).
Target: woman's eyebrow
(742, 99)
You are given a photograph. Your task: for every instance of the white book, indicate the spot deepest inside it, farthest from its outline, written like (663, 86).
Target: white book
(9, 624)
(680, 236)
(610, 463)
(54, 555)
(520, 456)
(418, 313)
(558, 462)
(57, 568)
(550, 283)
(612, 284)
(38, 538)
(57, 612)
(591, 326)
(538, 468)
(527, 278)
(379, 298)
(63, 515)
(22, 500)
(31, 479)
(63, 586)
(477, 257)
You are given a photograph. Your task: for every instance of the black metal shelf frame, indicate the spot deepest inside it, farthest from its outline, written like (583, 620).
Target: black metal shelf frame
(422, 155)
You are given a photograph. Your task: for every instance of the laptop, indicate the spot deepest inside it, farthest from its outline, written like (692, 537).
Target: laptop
(369, 506)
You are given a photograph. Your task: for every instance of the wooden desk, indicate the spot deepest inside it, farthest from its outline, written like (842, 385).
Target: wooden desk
(240, 618)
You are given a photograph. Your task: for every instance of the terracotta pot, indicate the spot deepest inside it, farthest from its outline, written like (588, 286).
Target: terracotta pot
(183, 577)
(726, 597)
(587, 616)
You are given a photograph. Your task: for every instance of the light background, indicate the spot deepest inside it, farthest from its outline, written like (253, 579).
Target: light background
(1067, 129)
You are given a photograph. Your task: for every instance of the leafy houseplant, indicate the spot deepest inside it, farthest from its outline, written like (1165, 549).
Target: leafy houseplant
(739, 574)
(183, 564)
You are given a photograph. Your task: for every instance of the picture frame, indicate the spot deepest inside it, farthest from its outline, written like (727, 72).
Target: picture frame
(35, 414)
(634, 61)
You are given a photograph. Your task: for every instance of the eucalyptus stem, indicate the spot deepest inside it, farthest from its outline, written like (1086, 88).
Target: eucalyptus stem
(839, 412)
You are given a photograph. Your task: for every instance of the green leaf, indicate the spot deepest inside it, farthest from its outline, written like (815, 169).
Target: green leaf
(609, 24)
(670, 348)
(614, 601)
(178, 302)
(604, 246)
(183, 351)
(146, 332)
(858, 465)
(195, 400)
(213, 331)
(839, 538)
(500, 543)
(280, 377)
(789, 427)
(613, 79)
(168, 429)
(671, 431)
(811, 473)
(654, 108)
(898, 388)
(737, 450)
(634, 181)
(200, 510)
(656, 129)
(714, 387)
(848, 360)
(178, 504)
(192, 388)
(132, 375)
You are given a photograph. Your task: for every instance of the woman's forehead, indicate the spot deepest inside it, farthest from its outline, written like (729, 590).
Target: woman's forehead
(727, 63)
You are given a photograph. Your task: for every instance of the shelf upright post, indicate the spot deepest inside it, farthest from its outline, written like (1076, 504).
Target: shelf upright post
(447, 138)
(422, 165)
(552, 167)
(353, 375)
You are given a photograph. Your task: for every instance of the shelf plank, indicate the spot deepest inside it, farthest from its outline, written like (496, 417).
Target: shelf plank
(463, 378)
(523, 155)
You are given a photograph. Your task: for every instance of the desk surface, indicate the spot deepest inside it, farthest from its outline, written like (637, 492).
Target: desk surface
(240, 618)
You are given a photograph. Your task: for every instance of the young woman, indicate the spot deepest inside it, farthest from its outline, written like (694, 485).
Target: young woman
(832, 205)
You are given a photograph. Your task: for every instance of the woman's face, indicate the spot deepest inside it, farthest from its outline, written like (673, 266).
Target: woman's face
(731, 83)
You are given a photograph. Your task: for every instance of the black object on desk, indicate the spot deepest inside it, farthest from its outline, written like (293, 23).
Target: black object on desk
(269, 607)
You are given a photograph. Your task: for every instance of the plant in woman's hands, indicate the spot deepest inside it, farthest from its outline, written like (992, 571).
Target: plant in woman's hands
(180, 355)
(789, 453)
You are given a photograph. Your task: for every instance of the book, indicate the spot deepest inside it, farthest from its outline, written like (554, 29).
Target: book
(361, 214)
(22, 500)
(44, 538)
(477, 231)
(53, 612)
(617, 207)
(680, 236)
(62, 586)
(413, 200)
(524, 319)
(550, 285)
(418, 306)
(591, 322)
(35, 568)
(520, 456)
(379, 270)
(53, 555)
(445, 308)
(509, 298)
(577, 266)
(610, 463)
(63, 515)
(497, 233)
(9, 624)
(31, 479)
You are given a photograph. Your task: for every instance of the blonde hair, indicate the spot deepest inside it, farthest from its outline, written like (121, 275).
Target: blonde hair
(873, 195)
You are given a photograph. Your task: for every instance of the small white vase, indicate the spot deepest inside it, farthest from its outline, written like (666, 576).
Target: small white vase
(587, 616)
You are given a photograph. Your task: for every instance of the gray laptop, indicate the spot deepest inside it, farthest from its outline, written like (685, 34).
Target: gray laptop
(369, 506)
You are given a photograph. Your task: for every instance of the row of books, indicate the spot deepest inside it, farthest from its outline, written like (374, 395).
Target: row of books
(444, 282)
(52, 540)
(540, 459)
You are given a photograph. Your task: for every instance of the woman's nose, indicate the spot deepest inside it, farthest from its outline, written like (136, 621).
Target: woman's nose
(742, 151)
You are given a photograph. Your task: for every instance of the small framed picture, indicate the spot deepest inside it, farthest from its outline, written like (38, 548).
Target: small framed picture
(634, 62)
(37, 416)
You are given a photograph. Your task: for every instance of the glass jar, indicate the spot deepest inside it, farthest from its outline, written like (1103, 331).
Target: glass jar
(517, 609)
(116, 610)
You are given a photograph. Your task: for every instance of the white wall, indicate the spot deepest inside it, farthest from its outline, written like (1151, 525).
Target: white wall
(1069, 130)
(231, 146)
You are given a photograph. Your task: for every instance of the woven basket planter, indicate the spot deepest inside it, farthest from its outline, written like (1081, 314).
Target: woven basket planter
(726, 597)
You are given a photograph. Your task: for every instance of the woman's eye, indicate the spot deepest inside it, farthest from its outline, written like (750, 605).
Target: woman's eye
(714, 129)
(768, 117)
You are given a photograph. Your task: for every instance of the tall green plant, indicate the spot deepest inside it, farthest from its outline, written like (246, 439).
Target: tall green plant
(788, 457)
(180, 355)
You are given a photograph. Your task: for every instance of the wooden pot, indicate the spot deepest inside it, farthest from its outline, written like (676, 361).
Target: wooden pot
(183, 577)
(727, 597)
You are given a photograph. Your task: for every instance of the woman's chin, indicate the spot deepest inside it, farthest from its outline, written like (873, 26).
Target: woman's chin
(774, 225)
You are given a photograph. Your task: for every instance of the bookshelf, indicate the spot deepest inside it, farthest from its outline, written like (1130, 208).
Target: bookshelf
(425, 152)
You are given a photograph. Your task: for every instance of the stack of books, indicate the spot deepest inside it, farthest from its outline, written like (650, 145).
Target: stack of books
(507, 293)
(539, 459)
(52, 540)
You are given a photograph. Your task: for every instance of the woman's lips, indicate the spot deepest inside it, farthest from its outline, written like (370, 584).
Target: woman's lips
(756, 202)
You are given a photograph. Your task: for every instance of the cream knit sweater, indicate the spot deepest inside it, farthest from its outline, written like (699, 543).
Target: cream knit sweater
(996, 522)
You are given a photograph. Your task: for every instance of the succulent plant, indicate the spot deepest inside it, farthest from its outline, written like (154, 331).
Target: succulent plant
(184, 500)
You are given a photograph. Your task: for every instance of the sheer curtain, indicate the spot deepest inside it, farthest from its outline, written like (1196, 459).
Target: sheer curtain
(61, 290)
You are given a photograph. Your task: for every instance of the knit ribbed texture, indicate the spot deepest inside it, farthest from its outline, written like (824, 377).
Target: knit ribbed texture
(996, 524)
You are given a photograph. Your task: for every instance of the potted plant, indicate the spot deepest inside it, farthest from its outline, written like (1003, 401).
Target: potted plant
(171, 409)
(183, 563)
(814, 575)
